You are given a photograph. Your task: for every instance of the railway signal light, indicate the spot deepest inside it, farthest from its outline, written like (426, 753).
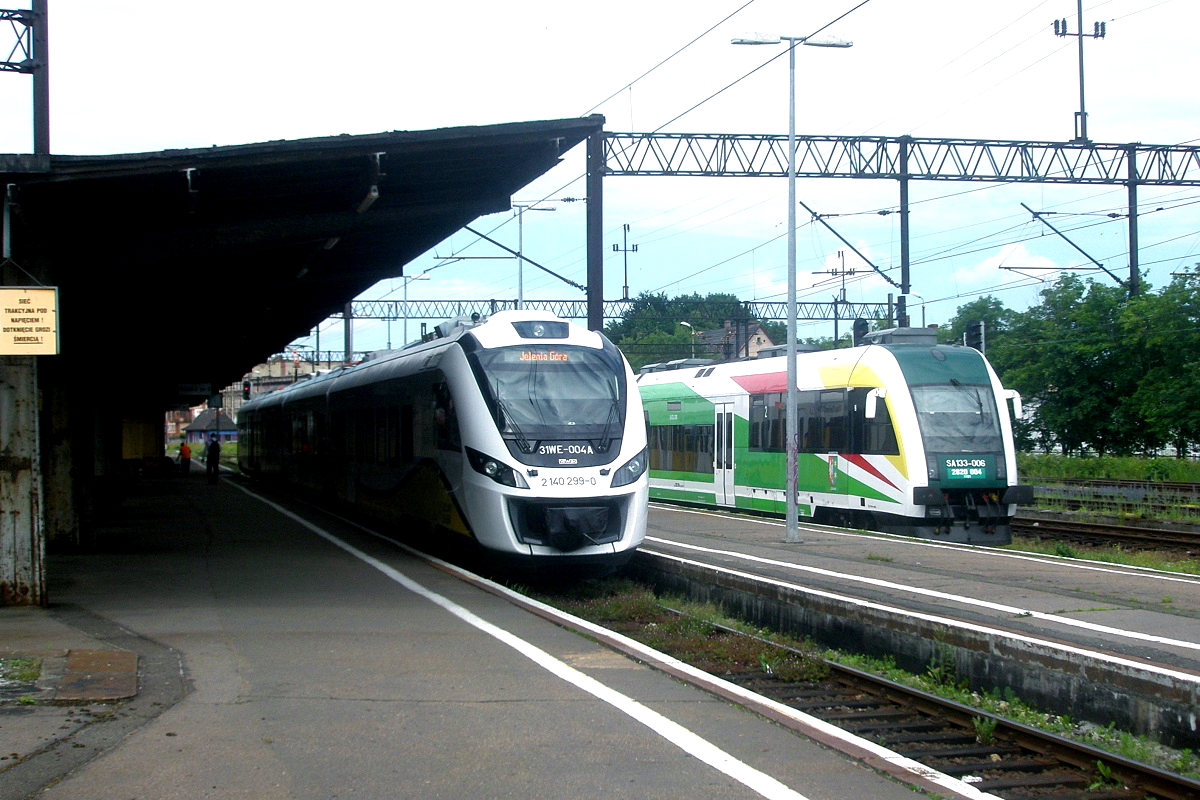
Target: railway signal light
(860, 329)
(974, 336)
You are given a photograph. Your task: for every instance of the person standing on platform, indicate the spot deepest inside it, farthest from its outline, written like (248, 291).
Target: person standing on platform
(212, 458)
(185, 458)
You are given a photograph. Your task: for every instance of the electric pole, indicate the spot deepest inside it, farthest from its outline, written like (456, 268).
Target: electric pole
(626, 249)
(1098, 31)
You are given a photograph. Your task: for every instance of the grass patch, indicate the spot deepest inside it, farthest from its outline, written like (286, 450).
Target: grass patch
(1108, 467)
(697, 634)
(1110, 554)
(20, 670)
(18, 680)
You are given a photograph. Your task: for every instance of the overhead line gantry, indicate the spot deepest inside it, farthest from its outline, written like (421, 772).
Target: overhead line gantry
(908, 158)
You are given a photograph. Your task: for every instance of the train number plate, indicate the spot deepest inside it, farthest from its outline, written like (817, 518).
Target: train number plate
(967, 468)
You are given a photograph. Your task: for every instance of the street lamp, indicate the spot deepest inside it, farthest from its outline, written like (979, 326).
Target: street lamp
(914, 294)
(521, 208)
(791, 420)
(691, 336)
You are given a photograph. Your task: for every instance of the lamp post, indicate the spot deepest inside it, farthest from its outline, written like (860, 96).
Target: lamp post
(914, 294)
(521, 208)
(691, 336)
(791, 420)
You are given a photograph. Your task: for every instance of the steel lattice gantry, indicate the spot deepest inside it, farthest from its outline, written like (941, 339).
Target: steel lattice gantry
(578, 309)
(905, 158)
(900, 157)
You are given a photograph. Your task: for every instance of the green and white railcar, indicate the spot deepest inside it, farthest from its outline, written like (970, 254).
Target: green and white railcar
(911, 438)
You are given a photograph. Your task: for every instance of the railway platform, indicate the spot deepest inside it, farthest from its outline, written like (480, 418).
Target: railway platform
(213, 643)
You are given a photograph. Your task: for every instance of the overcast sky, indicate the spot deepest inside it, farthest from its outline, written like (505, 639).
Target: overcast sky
(143, 75)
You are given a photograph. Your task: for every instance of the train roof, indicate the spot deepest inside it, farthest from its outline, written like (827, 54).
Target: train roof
(445, 333)
(920, 363)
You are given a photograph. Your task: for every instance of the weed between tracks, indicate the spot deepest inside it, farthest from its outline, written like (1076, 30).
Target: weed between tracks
(698, 636)
(1111, 554)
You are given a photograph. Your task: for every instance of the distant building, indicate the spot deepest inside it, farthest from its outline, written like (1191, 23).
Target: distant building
(210, 422)
(737, 340)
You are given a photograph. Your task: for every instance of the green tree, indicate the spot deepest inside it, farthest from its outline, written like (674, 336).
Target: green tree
(1070, 358)
(996, 318)
(652, 330)
(1168, 328)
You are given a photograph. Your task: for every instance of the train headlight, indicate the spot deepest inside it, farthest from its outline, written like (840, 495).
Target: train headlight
(631, 470)
(494, 469)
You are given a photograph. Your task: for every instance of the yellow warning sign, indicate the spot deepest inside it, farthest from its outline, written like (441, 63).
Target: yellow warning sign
(28, 321)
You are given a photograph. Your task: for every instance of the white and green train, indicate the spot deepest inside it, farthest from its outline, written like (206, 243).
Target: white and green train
(901, 436)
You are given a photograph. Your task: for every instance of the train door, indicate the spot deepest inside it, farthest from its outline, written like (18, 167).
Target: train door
(723, 455)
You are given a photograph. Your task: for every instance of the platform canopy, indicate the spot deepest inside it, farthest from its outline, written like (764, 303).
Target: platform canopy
(182, 268)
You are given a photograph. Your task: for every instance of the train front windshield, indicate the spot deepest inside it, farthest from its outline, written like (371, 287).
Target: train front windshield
(958, 418)
(560, 392)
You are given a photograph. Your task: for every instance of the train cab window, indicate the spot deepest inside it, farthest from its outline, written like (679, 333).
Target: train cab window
(542, 391)
(956, 418)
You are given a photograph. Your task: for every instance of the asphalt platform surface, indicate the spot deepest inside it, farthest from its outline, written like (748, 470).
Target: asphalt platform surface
(209, 644)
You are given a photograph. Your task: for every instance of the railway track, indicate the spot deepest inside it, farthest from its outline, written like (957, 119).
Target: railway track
(1140, 498)
(1105, 533)
(1003, 758)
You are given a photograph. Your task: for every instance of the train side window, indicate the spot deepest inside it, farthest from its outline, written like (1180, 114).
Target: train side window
(681, 448)
(767, 422)
(875, 436)
(445, 417)
(382, 436)
(758, 421)
(811, 427)
(406, 434)
(833, 420)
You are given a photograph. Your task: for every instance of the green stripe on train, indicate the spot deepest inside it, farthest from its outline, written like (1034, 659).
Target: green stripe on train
(676, 404)
(769, 471)
(684, 496)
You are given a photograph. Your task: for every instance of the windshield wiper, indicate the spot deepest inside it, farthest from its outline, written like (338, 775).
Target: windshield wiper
(973, 393)
(508, 421)
(606, 438)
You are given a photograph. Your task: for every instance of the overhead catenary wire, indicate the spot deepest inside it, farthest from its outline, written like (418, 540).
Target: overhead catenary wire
(698, 220)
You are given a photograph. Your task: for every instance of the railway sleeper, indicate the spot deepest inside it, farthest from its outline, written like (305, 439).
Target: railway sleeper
(883, 730)
(962, 750)
(878, 715)
(1055, 778)
(842, 704)
(958, 768)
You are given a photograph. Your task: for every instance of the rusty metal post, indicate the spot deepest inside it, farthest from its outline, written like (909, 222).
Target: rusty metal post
(41, 78)
(595, 225)
(22, 529)
(905, 264)
(1135, 273)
